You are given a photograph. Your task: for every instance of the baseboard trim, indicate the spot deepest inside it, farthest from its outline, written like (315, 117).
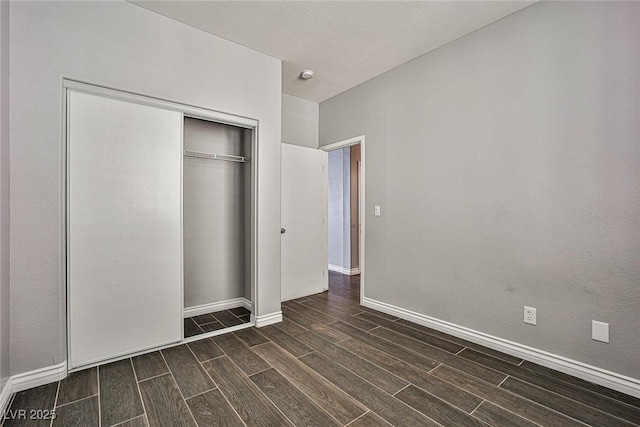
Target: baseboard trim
(612, 380)
(217, 306)
(5, 396)
(49, 374)
(30, 379)
(342, 270)
(38, 377)
(268, 319)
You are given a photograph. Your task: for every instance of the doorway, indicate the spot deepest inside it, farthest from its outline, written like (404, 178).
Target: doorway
(345, 209)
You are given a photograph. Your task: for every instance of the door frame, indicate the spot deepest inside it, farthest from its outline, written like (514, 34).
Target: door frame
(69, 85)
(361, 201)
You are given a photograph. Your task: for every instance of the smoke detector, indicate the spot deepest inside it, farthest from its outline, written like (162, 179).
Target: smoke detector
(307, 74)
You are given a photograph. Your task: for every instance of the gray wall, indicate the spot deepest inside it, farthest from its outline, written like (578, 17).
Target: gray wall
(354, 159)
(119, 45)
(507, 165)
(339, 208)
(299, 121)
(4, 192)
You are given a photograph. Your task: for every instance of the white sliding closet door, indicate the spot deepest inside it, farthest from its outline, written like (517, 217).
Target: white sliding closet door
(124, 227)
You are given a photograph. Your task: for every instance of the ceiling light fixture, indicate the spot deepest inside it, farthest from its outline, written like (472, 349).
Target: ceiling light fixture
(307, 74)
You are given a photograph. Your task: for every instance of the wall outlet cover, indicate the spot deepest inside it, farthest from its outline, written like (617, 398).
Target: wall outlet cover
(599, 331)
(530, 315)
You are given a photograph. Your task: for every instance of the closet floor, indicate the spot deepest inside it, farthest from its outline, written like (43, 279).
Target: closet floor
(214, 321)
(330, 362)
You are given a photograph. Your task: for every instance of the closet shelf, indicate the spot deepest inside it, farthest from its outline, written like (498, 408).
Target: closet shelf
(211, 156)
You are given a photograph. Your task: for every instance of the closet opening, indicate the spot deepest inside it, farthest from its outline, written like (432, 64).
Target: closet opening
(217, 227)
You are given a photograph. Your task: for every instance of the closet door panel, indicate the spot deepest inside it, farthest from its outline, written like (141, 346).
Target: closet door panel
(124, 227)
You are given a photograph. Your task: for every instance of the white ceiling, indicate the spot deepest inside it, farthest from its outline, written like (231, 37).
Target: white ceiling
(344, 42)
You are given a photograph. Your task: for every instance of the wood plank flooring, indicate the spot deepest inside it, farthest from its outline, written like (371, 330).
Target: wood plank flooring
(210, 322)
(330, 363)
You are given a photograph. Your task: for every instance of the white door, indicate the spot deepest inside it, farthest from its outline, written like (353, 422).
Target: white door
(304, 253)
(124, 227)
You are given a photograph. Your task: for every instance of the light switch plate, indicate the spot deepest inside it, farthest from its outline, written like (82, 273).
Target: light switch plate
(600, 331)
(376, 210)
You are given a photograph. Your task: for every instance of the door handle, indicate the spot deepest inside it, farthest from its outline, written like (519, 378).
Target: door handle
(283, 230)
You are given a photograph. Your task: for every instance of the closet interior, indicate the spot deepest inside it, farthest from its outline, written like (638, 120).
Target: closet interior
(216, 226)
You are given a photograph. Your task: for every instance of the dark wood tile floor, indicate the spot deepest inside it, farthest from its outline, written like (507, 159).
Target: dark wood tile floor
(215, 321)
(330, 363)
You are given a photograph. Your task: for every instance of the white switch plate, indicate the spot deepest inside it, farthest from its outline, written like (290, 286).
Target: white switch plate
(600, 331)
(376, 210)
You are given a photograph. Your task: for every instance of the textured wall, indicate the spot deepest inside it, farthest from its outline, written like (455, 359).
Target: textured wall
(354, 159)
(346, 208)
(339, 208)
(4, 192)
(343, 207)
(119, 45)
(335, 198)
(507, 164)
(299, 121)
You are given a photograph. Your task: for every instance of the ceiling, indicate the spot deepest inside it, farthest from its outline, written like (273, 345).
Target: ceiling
(344, 42)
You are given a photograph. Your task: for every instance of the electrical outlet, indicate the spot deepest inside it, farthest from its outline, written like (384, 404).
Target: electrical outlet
(529, 315)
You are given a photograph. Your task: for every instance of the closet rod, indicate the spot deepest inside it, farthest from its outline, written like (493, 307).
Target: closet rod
(210, 156)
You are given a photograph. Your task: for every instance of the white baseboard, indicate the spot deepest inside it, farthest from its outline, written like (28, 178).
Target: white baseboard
(268, 319)
(49, 374)
(612, 380)
(217, 306)
(5, 396)
(342, 270)
(39, 377)
(30, 379)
